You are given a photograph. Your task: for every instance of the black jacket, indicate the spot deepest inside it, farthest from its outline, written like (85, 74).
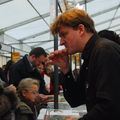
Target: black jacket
(23, 69)
(98, 83)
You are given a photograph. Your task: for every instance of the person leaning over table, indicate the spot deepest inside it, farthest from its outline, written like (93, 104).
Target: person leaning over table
(98, 82)
(27, 68)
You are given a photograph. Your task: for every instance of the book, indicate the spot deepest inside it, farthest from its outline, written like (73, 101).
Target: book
(53, 114)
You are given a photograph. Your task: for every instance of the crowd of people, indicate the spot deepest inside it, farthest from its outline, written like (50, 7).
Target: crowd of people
(22, 87)
(25, 85)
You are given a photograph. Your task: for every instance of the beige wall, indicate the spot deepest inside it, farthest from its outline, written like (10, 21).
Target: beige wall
(3, 60)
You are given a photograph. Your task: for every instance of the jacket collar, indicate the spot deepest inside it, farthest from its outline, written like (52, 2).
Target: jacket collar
(89, 46)
(29, 66)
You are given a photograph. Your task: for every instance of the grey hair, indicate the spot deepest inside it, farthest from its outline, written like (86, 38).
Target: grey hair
(26, 84)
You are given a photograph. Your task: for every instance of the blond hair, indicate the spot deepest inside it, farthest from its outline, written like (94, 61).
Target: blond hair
(72, 18)
(26, 84)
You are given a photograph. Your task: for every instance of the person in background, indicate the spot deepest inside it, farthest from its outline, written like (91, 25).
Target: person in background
(2, 75)
(109, 34)
(8, 102)
(52, 81)
(8, 97)
(27, 68)
(3, 67)
(98, 82)
(48, 71)
(28, 90)
(6, 70)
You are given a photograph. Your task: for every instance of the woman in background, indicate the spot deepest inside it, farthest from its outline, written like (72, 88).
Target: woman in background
(27, 92)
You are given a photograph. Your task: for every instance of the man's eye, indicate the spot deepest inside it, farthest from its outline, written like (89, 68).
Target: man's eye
(64, 34)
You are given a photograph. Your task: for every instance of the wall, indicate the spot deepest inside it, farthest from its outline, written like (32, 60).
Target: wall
(3, 60)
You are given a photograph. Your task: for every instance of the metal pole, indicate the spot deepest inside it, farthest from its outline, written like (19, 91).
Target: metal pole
(56, 68)
(85, 5)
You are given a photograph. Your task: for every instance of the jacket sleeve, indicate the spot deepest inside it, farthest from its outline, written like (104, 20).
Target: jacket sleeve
(14, 76)
(74, 91)
(42, 88)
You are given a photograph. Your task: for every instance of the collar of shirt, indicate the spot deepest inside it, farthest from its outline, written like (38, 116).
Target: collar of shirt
(33, 67)
(89, 46)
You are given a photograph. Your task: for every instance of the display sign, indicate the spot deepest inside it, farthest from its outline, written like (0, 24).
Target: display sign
(15, 56)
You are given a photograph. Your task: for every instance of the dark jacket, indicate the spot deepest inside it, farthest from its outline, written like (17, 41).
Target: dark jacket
(8, 102)
(2, 75)
(23, 69)
(98, 83)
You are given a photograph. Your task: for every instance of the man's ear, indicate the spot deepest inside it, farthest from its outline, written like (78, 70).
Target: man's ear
(33, 57)
(81, 28)
(23, 93)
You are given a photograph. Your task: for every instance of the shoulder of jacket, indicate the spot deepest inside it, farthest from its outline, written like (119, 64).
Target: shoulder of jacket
(24, 108)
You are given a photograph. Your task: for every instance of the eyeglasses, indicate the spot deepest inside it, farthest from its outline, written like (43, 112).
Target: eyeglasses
(33, 92)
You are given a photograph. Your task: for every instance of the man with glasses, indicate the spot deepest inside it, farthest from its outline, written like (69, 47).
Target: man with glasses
(27, 106)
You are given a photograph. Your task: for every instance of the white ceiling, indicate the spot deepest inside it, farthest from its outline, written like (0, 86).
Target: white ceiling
(25, 23)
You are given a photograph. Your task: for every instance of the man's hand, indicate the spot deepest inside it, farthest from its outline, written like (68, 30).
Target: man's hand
(59, 58)
(41, 98)
(11, 88)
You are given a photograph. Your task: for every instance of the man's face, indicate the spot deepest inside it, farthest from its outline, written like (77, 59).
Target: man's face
(31, 93)
(70, 38)
(39, 60)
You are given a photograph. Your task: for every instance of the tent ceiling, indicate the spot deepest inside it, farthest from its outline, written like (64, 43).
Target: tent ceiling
(25, 23)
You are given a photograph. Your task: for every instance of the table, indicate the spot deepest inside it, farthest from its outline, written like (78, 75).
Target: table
(63, 111)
